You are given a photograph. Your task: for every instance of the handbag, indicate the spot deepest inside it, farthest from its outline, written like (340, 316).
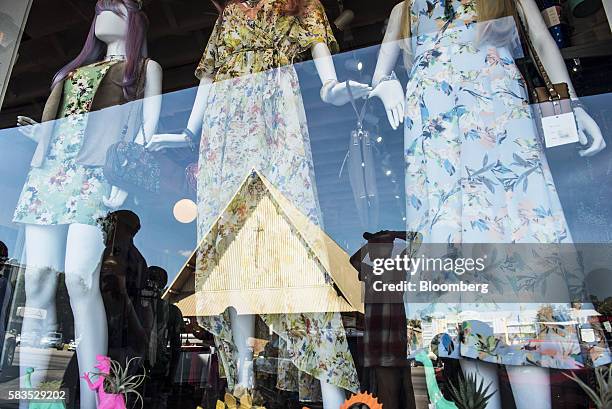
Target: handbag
(129, 165)
(551, 99)
(361, 169)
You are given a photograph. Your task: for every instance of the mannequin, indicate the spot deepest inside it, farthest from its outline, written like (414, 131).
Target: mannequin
(403, 108)
(263, 68)
(76, 246)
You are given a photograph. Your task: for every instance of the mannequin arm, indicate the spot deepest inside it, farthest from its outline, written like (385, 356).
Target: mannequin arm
(152, 99)
(557, 71)
(390, 47)
(390, 92)
(165, 141)
(333, 92)
(151, 108)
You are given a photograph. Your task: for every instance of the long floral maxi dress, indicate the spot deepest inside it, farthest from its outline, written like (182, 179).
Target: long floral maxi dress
(255, 119)
(476, 173)
(62, 191)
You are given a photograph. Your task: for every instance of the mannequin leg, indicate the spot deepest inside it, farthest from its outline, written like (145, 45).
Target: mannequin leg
(84, 248)
(243, 330)
(530, 386)
(44, 259)
(487, 372)
(333, 397)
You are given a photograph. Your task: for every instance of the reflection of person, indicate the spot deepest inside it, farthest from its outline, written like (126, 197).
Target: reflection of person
(165, 340)
(123, 275)
(66, 192)
(385, 339)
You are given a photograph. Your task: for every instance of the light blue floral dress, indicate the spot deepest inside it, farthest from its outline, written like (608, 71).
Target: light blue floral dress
(62, 191)
(476, 173)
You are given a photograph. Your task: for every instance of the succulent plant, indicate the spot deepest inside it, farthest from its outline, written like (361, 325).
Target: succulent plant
(602, 397)
(469, 393)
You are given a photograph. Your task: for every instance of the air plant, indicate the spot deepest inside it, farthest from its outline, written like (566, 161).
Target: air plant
(469, 393)
(119, 382)
(602, 397)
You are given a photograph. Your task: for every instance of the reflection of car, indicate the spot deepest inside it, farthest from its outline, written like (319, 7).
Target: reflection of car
(72, 345)
(28, 339)
(52, 340)
(8, 349)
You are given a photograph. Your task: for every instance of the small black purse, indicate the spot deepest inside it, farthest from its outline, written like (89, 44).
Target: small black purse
(129, 165)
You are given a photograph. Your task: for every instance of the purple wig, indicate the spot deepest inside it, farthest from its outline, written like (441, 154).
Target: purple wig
(94, 49)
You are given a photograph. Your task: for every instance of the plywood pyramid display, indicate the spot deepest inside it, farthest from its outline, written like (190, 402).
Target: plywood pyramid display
(263, 256)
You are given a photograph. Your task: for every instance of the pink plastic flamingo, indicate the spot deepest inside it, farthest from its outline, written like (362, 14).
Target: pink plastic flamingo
(105, 400)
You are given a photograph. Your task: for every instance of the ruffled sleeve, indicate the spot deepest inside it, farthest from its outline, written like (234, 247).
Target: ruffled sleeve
(209, 63)
(313, 27)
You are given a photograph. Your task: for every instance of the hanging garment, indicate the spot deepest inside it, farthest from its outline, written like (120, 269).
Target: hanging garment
(255, 119)
(361, 169)
(476, 173)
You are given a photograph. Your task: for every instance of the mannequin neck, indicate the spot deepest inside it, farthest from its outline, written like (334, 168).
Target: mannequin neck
(115, 49)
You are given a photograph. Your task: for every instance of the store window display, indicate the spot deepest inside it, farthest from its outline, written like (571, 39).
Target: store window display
(66, 192)
(251, 115)
(476, 171)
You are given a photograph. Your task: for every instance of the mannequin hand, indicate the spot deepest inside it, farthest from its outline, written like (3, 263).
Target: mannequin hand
(588, 126)
(166, 141)
(338, 95)
(28, 126)
(116, 198)
(392, 96)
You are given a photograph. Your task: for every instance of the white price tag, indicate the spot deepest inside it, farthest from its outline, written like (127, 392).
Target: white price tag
(587, 334)
(560, 129)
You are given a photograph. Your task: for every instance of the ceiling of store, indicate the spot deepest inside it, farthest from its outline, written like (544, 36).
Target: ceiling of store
(56, 30)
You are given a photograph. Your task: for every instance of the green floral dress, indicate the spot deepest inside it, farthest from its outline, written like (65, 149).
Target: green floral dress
(61, 191)
(255, 119)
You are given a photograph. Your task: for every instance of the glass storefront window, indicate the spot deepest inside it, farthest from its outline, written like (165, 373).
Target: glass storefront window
(293, 204)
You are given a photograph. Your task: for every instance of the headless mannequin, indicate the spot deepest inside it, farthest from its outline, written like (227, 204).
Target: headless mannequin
(243, 326)
(77, 249)
(530, 385)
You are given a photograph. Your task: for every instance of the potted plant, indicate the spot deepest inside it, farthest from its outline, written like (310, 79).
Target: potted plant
(469, 393)
(602, 397)
(114, 384)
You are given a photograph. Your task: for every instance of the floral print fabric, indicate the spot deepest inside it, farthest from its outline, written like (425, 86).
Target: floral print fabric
(476, 172)
(250, 40)
(62, 191)
(255, 119)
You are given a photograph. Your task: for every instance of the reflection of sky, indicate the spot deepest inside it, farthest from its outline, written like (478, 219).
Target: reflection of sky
(583, 184)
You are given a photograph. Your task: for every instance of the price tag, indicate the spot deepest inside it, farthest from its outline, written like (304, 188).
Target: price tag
(560, 130)
(587, 335)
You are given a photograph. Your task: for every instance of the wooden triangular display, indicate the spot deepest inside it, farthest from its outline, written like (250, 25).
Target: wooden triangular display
(263, 256)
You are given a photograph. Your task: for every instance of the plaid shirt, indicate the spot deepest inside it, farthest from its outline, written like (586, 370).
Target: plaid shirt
(385, 340)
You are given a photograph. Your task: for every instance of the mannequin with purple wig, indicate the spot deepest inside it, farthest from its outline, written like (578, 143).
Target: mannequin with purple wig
(117, 35)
